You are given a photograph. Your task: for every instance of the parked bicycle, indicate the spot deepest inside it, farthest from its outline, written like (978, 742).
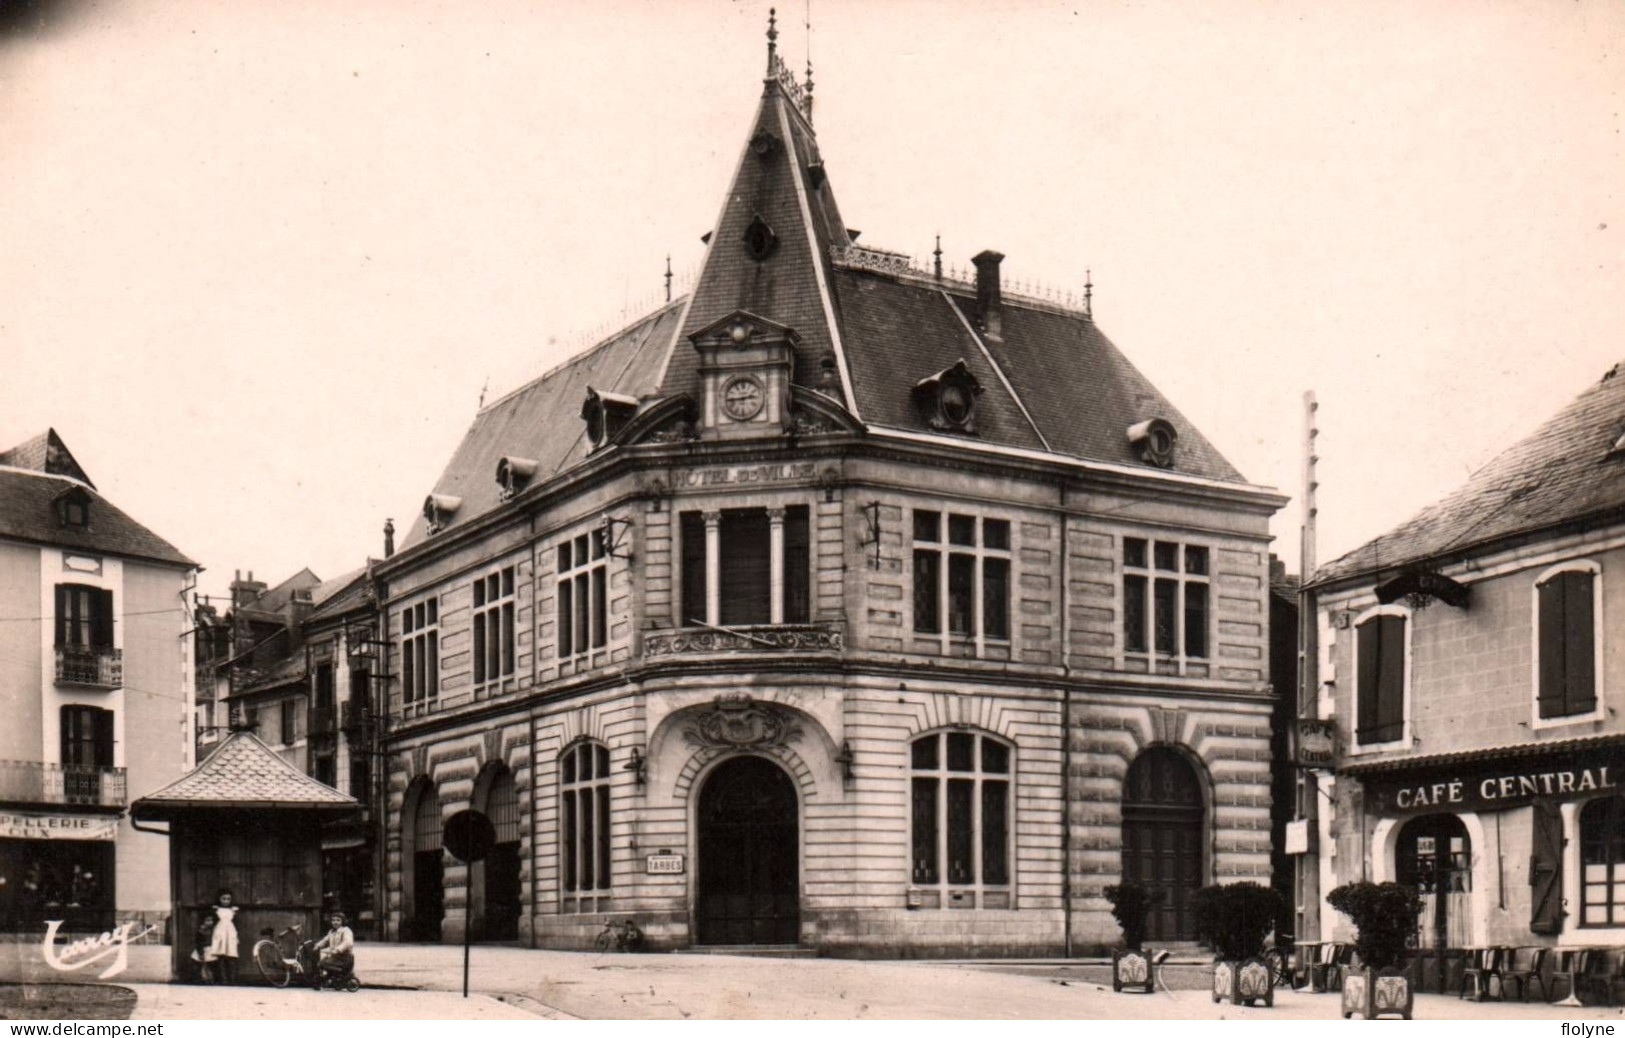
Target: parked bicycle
(283, 958)
(626, 937)
(1279, 957)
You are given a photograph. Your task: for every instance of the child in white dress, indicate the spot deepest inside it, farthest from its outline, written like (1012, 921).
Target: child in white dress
(223, 945)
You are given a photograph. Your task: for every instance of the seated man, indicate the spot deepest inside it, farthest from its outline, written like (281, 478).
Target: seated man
(336, 951)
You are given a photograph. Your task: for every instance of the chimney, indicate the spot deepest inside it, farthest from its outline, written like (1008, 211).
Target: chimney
(389, 537)
(1277, 569)
(988, 297)
(244, 592)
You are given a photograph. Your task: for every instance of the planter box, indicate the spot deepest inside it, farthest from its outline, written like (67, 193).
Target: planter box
(1243, 983)
(1131, 970)
(1377, 994)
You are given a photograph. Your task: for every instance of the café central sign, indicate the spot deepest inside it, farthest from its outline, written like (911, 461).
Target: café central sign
(1491, 788)
(743, 475)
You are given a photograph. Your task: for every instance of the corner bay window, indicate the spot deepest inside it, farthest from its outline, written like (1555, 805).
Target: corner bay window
(1165, 598)
(584, 858)
(960, 575)
(1602, 862)
(960, 806)
(583, 611)
(420, 654)
(1380, 678)
(493, 626)
(745, 567)
(1565, 604)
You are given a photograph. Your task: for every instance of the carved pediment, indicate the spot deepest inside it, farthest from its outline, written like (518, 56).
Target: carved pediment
(738, 722)
(813, 413)
(668, 420)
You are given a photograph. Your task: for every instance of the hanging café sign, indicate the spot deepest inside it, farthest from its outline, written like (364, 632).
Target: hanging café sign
(1492, 787)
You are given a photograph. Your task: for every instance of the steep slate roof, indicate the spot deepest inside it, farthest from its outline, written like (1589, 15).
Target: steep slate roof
(1070, 391)
(46, 453)
(339, 594)
(1566, 470)
(243, 772)
(28, 513)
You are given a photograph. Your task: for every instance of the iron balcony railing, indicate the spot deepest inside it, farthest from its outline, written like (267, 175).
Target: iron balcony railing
(99, 666)
(30, 782)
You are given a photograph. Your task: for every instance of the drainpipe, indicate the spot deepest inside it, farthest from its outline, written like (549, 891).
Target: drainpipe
(1066, 730)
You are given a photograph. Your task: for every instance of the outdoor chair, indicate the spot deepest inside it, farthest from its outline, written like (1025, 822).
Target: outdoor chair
(1572, 964)
(1481, 967)
(1525, 967)
(1603, 972)
(1305, 955)
(1324, 966)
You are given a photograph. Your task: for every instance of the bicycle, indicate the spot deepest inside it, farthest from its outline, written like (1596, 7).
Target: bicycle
(625, 937)
(280, 969)
(1279, 959)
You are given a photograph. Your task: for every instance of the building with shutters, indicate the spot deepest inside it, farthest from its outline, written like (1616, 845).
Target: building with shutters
(96, 682)
(1473, 664)
(839, 604)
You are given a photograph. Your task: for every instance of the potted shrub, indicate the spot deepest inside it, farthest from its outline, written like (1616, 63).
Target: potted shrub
(1131, 967)
(1384, 917)
(1235, 918)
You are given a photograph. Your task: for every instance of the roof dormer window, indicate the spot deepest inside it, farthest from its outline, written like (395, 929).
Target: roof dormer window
(514, 474)
(1154, 441)
(73, 508)
(438, 510)
(948, 399)
(606, 414)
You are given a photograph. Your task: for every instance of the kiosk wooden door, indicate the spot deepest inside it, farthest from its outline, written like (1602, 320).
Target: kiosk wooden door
(749, 867)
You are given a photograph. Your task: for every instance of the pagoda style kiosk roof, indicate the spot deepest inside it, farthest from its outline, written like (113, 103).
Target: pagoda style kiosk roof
(242, 772)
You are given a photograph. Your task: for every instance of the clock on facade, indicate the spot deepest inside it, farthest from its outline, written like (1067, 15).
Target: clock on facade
(742, 398)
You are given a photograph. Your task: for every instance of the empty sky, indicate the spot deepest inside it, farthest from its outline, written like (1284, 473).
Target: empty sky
(257, 260)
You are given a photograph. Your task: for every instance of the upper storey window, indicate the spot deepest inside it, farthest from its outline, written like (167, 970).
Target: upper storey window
(744, 567)
(1382, 675)
(494, 626)
(1165, 598)
(84, 616)
(1567, 614)
(420, 655)
(583, 610)
(961, 575)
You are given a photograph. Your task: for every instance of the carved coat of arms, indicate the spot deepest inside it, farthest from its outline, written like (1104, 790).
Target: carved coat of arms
(736, 721)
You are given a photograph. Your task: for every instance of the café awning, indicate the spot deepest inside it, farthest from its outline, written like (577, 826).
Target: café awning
(1542, 748)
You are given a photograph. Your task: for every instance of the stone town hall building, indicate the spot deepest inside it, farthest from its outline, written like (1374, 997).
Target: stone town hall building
(837, 604)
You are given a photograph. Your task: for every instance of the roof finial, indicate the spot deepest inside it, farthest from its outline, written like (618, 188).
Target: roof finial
(1088, 294)
(936, 266)
(772, 40)
(807, 98)
(668, 277)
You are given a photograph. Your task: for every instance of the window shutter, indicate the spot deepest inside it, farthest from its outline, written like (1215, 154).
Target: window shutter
(104, 738)
(1550, 600)
(1367, 642)
(1391, 679)
(746, 575)
(1546, 870)
(61, 614)
(797, 566)
(101, 625)
(1579, 628)
(693, 536)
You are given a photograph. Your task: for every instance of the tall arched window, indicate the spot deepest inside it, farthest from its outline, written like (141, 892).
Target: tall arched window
(1602, 862)
(1568, 608)
(501, 889)
(959, 790)
(584, 857)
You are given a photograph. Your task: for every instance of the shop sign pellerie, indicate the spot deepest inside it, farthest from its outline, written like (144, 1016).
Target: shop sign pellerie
(15, 825)
(1490, 789)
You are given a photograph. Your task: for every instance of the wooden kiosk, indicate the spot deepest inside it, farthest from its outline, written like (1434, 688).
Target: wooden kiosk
(246, 821)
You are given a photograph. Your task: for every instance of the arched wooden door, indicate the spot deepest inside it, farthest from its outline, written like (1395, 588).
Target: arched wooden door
(749, 868)
(1163, 837)
(502, 889)
(428, 880)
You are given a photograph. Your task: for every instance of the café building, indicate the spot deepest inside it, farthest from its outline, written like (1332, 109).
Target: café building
(1471, 664)
(840, 604)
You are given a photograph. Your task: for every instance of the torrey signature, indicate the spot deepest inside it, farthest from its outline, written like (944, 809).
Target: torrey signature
(87, 950)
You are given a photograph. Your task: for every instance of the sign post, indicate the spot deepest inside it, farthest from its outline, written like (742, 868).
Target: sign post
(469, 836)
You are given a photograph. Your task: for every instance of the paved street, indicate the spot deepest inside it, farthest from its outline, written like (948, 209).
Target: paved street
(425, 981)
